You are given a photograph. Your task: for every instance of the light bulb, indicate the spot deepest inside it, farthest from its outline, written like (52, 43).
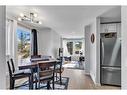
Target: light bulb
(35, 15)
(19, 19)
(40, 22)
(22, 15)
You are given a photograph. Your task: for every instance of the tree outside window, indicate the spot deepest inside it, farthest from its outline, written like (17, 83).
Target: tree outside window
(23, 44)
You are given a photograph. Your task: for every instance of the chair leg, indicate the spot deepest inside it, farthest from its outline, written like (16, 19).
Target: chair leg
(53, 83)
(48, 84)
(29, 82)
(36, 80)
(56, 76)
(60, 78)
(12, 83)
(39, 84)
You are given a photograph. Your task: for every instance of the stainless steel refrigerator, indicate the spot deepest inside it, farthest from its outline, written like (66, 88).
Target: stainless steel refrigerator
(110, 60)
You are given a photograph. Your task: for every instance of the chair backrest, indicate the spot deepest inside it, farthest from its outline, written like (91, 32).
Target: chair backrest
(13, 66)
(9, 68)
(60, 61)
(46, 69)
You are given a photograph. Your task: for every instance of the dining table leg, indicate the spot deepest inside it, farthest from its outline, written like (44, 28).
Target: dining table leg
(60, 79)
(60, 73)
(31, 79)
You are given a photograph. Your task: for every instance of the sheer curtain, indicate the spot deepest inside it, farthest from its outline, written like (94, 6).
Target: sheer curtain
(11, 48)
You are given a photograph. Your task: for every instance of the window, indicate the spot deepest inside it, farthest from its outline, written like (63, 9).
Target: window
(73, 47)
(77, 47)
(70, 47)
(23, 44)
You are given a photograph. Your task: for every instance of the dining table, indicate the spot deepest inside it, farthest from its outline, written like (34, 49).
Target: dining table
(33, 64)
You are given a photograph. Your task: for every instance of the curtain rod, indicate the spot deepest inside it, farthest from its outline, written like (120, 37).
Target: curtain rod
(21, 24)
(9, 19)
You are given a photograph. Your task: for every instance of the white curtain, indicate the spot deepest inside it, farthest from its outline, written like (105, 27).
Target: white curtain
(8, 36)
(65, 50)
(11, 45)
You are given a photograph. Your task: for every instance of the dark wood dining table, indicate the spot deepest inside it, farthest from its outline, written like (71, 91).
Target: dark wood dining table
(34, 64)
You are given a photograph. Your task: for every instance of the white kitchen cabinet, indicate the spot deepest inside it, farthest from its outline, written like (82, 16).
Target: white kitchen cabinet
(109, 28)
(118, 30)
(103, 28)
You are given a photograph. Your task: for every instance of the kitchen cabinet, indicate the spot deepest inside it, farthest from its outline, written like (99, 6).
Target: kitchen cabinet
(118, 28)
(113, 27)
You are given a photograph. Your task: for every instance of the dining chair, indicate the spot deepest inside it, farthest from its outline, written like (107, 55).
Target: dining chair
(59, 70)
(46, 73)
(32, 60)
(17, 74)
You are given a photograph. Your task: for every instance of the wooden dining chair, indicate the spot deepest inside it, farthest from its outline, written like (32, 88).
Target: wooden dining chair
(17, 74)
(34, 57)
(59, 70)
(46, 74)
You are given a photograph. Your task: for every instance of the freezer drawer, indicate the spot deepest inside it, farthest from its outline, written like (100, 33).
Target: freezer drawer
(111, 76)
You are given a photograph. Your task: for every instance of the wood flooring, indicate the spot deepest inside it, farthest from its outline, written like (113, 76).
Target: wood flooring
(78, 80)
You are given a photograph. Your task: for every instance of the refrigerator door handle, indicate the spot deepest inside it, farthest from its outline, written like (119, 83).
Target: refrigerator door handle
(112, 69)
(102, 52)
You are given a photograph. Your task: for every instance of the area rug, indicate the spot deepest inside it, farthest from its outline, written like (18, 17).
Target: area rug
(58, 86)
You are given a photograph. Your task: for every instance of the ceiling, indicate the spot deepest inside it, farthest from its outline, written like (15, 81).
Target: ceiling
(68, 21)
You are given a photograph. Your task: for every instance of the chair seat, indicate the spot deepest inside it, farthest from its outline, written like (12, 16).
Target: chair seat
(21, 73)
(20, 76)
(26, 71)
(57, 70)
(46, 77)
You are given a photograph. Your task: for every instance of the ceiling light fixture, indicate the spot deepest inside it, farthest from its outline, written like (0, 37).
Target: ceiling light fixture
(22, 15)
(19, 19)
(30, 18)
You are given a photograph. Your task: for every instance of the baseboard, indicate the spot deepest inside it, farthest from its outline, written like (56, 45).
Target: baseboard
(97, 84)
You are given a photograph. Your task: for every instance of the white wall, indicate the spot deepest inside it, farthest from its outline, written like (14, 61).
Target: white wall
(98, 50)
(44, 41)
(2, 49)
(124, 46)
(92, 50)
(87, 49)
(56, 43)
(93, 46)
(48, 42)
